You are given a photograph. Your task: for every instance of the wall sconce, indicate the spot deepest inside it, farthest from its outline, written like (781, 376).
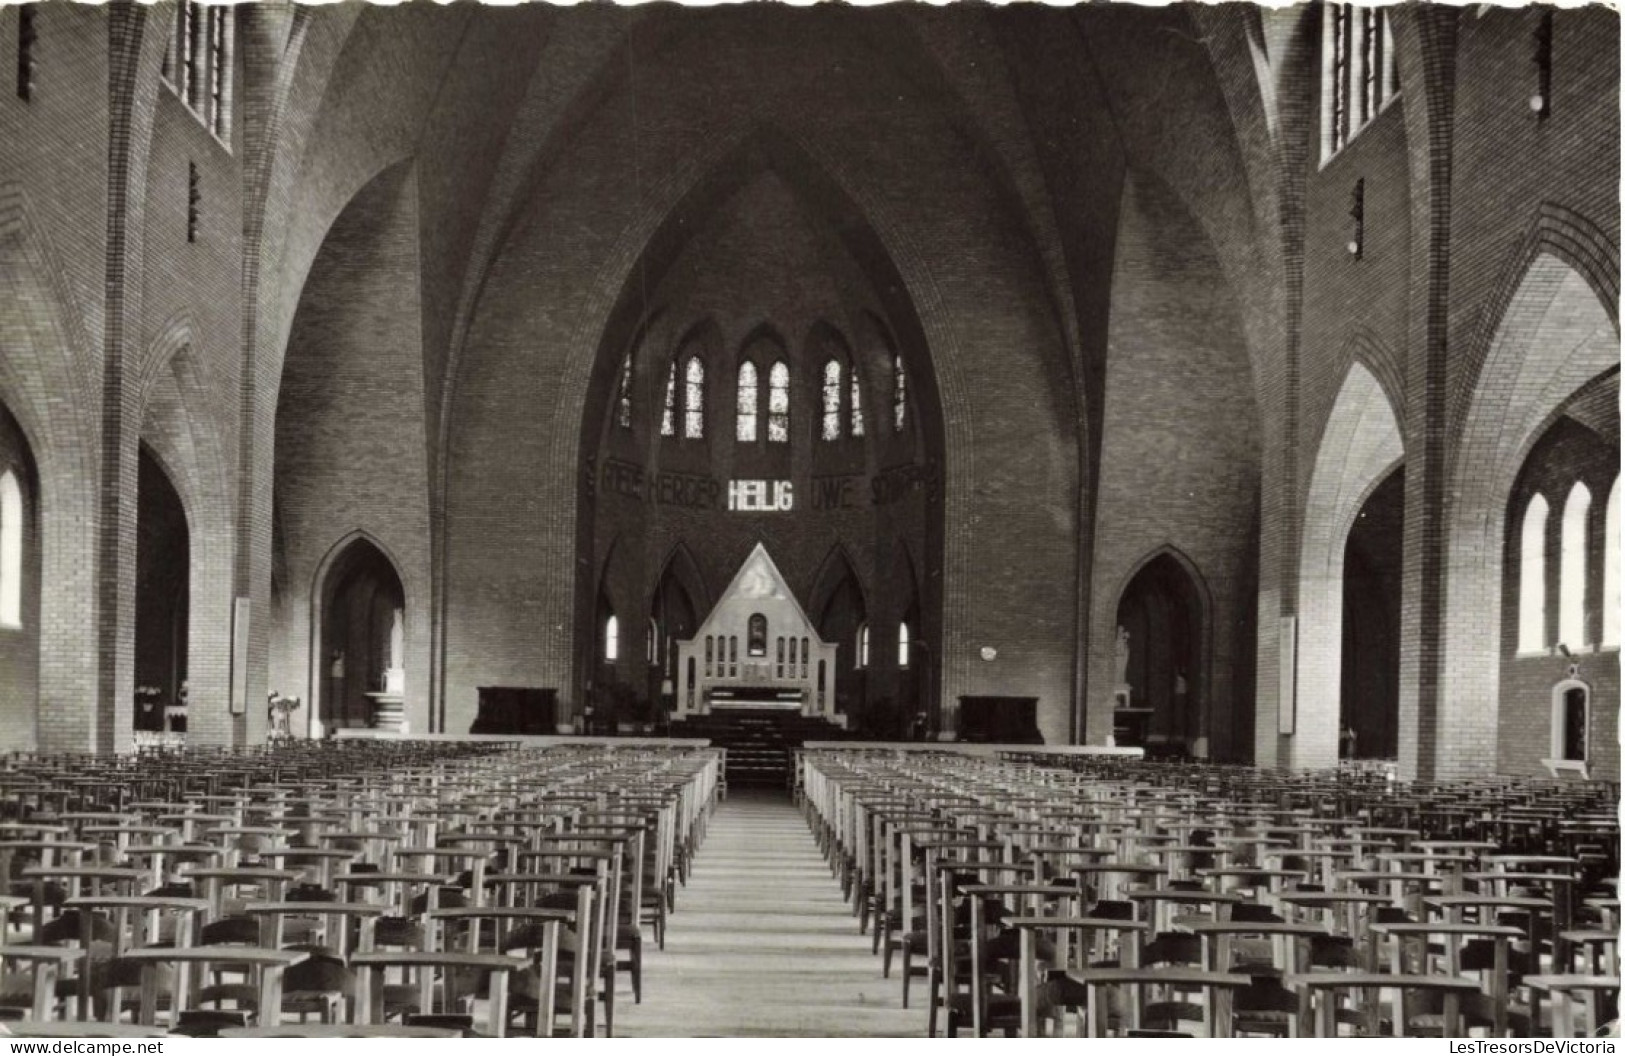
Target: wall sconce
(1356, 244)
(1541, 101)
(989, 653)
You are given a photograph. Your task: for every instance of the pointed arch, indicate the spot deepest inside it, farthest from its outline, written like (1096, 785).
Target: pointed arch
(1179, 557)
(1571, 592)
(1553, 337)
(680, 565)
(11, 549)
(1532, 577)
(178, 396)
(358, 569)
(706, 188)
(836, 568)
(778, 402)
(836, 376)
(47, 366)
(1165, 606)
(1359, 448)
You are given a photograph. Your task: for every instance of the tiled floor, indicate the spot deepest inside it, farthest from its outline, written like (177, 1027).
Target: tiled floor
(762, 945)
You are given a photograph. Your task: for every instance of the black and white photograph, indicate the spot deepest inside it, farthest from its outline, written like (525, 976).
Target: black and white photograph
(765, 520)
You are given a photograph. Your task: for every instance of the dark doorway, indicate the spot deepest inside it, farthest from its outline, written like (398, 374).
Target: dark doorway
(1373, 561)
(162, 597)
(1576, 701)
(839, 613)
(675, 616)
(1161, 609)
(363, 636)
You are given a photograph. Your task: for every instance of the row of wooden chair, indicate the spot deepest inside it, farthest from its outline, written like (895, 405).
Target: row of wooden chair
(1147, 898)
(377, 886)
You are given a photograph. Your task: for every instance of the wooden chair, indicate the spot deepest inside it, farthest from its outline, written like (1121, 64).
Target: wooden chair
(265, 966)
(1098, 983)
(1320, 994)
(371, 968)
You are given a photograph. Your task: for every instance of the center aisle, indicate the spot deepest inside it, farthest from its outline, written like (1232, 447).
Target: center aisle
(762, 944)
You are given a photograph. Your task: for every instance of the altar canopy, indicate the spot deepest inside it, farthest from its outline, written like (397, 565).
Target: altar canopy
(756, 648)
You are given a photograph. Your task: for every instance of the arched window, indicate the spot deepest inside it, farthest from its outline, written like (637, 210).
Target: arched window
(198, 63)
(651, 637)
(902, 644)
(1610, 570)
(863, 646)
(668, 413)
(1532, 578)
(756, 635)
(623, 396)
(11, 550)
(899, 394)
(612, 638)
(857, 404)
(749, 398)
(1571, 593)
(778, 404)
(832, 400)
(1359, 75)
(694, 399)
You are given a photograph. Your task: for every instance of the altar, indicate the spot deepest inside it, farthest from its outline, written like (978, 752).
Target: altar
(756, 649)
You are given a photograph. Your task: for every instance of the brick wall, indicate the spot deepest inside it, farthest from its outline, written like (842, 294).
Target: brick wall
(350, 443)
(768, 282)
(1179, 458)
(53, 157)
(977, 212)
(1010, 456)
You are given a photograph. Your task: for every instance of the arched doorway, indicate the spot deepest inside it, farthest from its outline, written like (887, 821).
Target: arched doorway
(362, 675)
(162, 597)
(675, 612)
(1161, 612)
(839, 611)
(1373, 582)
(1360, 447)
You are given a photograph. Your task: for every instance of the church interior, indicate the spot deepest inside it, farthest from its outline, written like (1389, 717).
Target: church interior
(901, 521)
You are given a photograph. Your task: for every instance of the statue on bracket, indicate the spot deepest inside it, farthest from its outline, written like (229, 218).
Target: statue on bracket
(1122, 692)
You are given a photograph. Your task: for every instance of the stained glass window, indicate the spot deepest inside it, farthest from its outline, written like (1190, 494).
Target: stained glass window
(694, 399)
(778, 404)
(899, 394)
(832, 400)
(623, 397)
(1358, 72)
(668, 414)
(857, 405)
(749, 397)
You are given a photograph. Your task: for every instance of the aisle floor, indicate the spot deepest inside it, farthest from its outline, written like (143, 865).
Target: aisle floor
(762, 944)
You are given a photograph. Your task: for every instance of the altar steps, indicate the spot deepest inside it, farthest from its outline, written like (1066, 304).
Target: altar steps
(760, 741)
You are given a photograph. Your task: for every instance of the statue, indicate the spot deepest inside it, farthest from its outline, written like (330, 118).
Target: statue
(1120, 657)
(1122, 693)
(280, 709)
